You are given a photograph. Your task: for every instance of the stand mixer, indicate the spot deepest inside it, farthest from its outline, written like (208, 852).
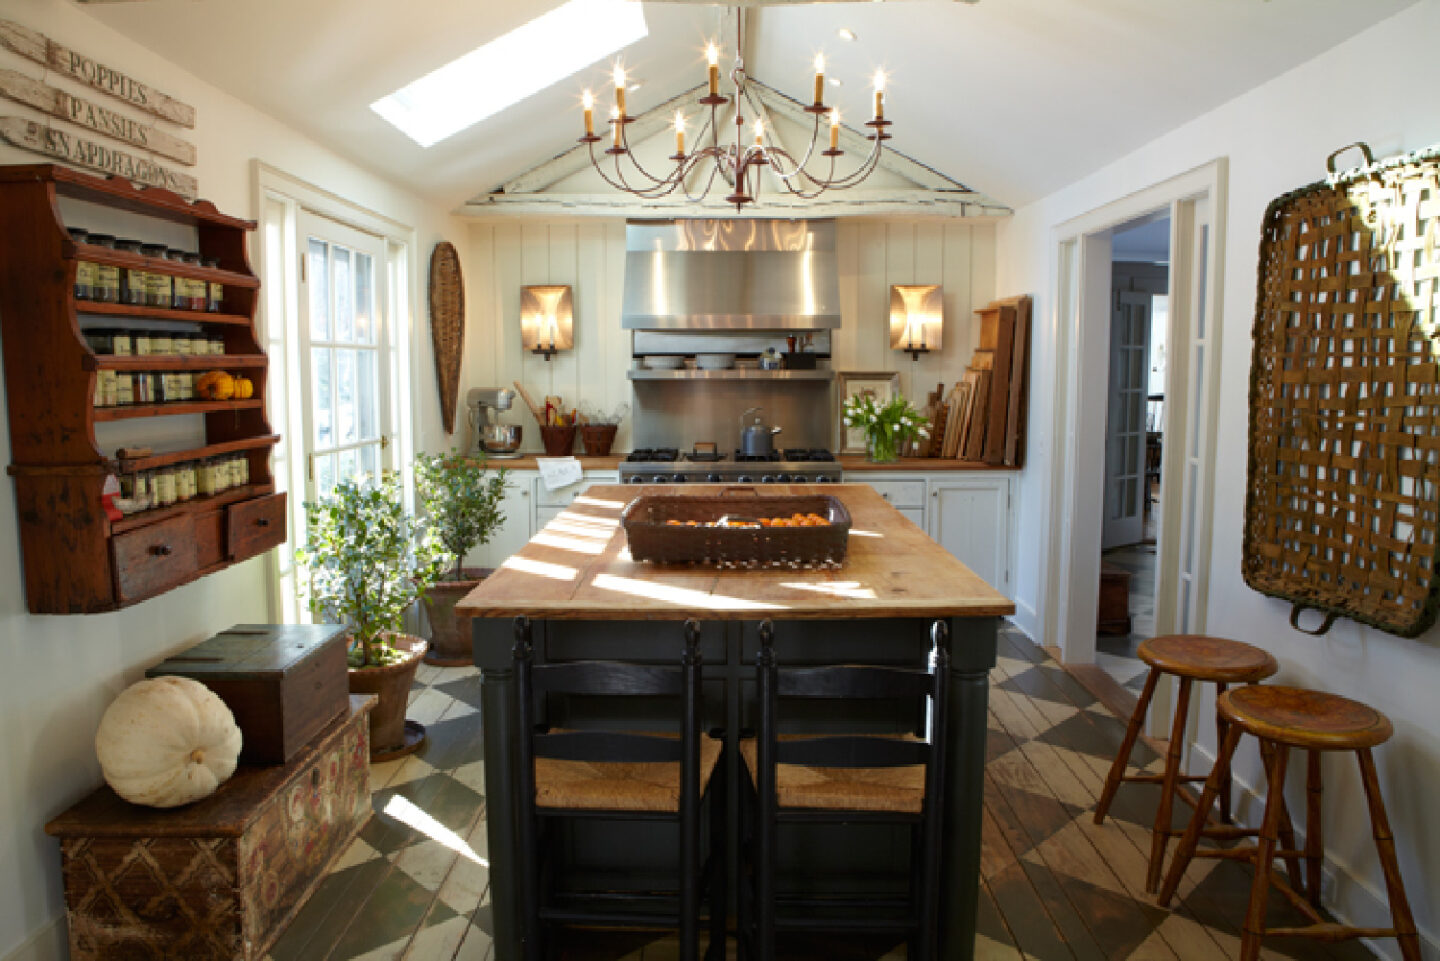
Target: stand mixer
(491, 437)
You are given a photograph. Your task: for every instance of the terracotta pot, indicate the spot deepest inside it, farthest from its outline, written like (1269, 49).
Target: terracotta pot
(450, 635)
(390, 733)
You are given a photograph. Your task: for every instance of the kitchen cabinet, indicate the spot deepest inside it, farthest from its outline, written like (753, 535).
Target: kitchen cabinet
(970, 518)
(78, 556)
(904, 492)
(527, 507)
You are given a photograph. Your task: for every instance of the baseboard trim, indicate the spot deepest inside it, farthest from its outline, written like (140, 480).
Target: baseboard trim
(1350, 898)
(1025, 619)
(49, 942)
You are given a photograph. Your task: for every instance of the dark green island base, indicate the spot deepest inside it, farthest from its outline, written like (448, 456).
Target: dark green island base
(589, 600)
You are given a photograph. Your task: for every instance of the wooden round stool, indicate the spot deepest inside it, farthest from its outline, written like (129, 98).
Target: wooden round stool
(1282, 718)
(1190, 657)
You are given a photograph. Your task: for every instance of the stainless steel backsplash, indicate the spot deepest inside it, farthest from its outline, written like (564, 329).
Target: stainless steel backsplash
(678, 413)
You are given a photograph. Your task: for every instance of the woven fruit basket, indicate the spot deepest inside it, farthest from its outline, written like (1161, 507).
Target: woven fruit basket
(731, 531)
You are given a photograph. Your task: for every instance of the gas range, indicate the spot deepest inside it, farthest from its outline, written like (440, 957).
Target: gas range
(667, 465)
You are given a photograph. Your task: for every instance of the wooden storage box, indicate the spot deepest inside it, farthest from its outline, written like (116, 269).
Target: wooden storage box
(283, 682)
(1113, 616)
(220, 878)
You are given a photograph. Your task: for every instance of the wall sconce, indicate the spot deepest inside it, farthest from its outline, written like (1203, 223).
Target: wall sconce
(547, 319)
(917, 322)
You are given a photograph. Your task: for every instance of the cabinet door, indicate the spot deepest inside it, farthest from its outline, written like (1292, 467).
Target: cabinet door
(515, 530)
(971, 519)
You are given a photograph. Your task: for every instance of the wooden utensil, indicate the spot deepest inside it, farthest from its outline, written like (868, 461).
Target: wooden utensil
(535, 410)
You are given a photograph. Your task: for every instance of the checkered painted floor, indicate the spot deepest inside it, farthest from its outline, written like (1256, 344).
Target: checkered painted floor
(414, 885)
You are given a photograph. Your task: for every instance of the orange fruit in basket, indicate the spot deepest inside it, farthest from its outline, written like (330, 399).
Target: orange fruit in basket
(672, 523)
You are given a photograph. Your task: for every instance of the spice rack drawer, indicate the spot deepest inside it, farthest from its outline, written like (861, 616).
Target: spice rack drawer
(255, 525)
(154, 558)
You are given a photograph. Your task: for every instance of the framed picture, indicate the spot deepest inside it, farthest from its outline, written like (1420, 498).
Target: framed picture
(883, 385)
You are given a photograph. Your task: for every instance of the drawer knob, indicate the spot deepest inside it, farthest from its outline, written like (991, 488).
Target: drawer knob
(262, 522)
(162, 550)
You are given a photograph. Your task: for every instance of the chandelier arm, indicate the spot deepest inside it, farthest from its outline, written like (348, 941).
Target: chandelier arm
(860, 173)
(709, 182)
(657, 189)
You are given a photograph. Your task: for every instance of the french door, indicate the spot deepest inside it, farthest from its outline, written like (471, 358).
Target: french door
(342, 349)
(1125, 427)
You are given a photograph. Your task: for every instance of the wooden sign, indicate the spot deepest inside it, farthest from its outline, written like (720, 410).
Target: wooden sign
(44, 139)
(40, 48)
(78, 110)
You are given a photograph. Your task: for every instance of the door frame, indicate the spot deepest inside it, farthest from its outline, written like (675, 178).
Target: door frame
(1081, 279)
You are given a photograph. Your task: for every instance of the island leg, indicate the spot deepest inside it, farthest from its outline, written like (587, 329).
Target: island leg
(492, 655)
(972, 655)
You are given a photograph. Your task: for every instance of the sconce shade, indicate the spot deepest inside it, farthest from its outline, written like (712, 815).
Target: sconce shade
(917, 320)
(547, 318)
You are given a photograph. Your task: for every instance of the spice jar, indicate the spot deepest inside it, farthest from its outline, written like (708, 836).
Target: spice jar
(192, 291)
(165, 487)
(84, 269)
(157, 284)
(214, 292)
(217, 344)
(181, 344)
(132, 280)
(177, 284)
(161, 342)
(124, 389)
(186, 485)
(205, 477)
(105, 285)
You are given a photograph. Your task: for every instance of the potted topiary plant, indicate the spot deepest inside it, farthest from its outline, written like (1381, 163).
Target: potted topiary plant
(462, 500)
(368, 562)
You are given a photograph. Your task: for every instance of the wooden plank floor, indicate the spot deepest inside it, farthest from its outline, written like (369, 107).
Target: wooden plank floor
(1055, 886)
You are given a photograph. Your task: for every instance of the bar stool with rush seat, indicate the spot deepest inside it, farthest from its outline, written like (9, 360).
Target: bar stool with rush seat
(613, 776)
(1285, 718)
(1191, 658)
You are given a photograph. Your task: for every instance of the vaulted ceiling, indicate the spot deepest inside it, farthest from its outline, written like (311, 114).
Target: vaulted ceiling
(1015, 98)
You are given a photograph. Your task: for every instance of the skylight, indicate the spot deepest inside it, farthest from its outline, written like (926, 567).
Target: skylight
(512, 67)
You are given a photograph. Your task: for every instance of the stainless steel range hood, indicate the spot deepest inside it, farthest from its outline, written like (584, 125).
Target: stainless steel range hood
(730, 275)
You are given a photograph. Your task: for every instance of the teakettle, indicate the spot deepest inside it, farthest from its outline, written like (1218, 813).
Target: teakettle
(755, 436)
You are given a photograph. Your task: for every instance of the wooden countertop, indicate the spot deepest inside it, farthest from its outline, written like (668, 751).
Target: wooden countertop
(579, 568)
(849, 462)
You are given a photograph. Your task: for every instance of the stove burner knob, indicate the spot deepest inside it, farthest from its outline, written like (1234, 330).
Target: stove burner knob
(768, 479)
(822, 479)
(679, 478)
(637, 479)
(787, 479)
(744, 479)
(713, 478)
(659, 479)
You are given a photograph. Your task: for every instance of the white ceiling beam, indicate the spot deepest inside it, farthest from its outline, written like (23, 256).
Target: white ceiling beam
(855, 202)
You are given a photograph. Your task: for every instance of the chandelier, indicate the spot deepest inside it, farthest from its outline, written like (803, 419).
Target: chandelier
(740, 162)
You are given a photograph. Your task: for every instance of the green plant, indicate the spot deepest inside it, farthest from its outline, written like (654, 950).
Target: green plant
(886, 425)
(462, 500)
(368, 562)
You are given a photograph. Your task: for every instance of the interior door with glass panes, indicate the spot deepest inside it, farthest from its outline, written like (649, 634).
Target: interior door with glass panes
(342, 339)
(1125, 430)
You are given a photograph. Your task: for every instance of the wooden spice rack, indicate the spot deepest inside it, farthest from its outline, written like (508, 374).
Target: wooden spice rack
(76, 559)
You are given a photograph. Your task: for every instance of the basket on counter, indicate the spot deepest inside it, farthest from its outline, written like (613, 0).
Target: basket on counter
(652, 539)
(558, 441)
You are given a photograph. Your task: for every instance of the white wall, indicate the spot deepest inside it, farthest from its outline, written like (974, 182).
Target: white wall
(590, 256)
(1378, 86)
(59, 673)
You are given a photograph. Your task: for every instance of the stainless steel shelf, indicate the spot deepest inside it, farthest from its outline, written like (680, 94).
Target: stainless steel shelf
(739, 373)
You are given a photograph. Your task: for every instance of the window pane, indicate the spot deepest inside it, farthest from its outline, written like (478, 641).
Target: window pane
(349, 464)
(344, 298)
(324, 474)
(370, 460)
(324, 400)
(368, 398)
(318, 276)
(345, 418)
(364, 298)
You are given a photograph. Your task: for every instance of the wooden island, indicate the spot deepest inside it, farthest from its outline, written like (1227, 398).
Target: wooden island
(588, 599)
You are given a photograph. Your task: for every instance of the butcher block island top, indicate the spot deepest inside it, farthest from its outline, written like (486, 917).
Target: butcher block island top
(579, 567)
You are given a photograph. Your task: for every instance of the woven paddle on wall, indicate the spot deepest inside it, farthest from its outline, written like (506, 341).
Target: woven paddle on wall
(1341, 511)
(447, 326)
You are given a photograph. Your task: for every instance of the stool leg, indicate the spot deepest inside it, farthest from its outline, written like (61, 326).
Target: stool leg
(1122, 757)
(1400, 914)
(1286, 831)
(1191, 839)
(1314, 836)
(1226, 787)
(1254, 927)
(1160, 836)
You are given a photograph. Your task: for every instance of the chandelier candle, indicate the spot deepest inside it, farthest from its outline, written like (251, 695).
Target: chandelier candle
(734, 161)
(589, 100)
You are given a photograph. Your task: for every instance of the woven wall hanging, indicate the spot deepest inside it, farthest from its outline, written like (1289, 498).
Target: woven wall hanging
(1341, 512)
(447, 326)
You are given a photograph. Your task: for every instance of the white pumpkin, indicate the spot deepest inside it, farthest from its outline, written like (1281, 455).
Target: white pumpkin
(167, 741)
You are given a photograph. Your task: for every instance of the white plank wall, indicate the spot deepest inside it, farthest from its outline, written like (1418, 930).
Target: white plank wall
(589, 255)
